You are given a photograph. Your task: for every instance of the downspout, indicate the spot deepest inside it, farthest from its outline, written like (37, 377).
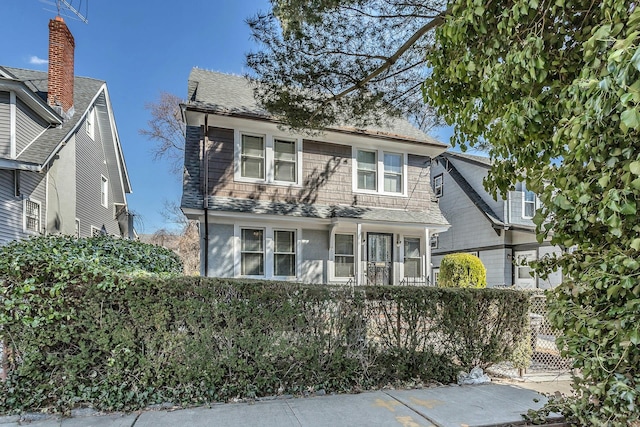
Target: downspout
(205, 198)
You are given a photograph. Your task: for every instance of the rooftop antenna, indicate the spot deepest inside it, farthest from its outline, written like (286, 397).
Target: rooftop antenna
(71, 9)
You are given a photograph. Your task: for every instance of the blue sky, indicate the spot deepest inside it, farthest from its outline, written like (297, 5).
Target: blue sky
(140, 48)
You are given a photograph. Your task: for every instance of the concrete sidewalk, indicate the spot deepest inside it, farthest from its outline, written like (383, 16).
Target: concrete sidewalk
(480, 405)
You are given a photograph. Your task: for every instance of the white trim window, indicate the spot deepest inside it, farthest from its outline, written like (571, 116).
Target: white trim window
(285, 160)
(528, 203)
(252, 252)
(17, 192)
(344, 255)
(252, 156)
(393, 166)
(95, 231)
(77, 228)
(284, 253)
(90, 123)
(412, 257)
(31, 216)
(438, 185)
(104, 191)
(434, 241)
(367, 170)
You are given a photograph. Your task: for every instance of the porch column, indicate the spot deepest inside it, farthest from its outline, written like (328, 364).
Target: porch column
(427, 252)
(358, 261)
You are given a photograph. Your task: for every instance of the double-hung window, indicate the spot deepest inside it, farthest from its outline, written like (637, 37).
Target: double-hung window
(393, 173)
(434, 241)
(32, 216)
(438, 185)
(252, 252)
(284, 160)
(284, 253)
(344, 259)
(90, 123)
(104, 191)
(412, 259)
(252, 157)
(529, 206)
(367, 170)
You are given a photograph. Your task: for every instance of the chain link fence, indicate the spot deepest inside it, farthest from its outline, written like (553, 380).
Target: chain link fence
(545, 355)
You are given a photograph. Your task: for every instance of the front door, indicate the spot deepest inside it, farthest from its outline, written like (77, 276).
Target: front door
(379, 259)
(524, 276)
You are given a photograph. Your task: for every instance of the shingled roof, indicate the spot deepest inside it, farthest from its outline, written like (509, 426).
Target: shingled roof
(85, 90)
(232, 95)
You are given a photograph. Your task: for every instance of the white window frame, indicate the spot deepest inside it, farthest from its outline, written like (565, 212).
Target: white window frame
(435, 241)
(438, 185)
(90, 123)
(95, 231)
(526, 202)
(385, 172)
(380, 172)
(104, 191)
(295, 160)
(263, 252)
(418, 258)
(336, 255)
(25, 216)
(294, 253)
(17, 191)
(77, 223)
(269, 158)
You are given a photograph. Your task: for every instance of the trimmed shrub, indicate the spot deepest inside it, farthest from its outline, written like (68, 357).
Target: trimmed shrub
(462, 271)
(194, 340)
(38, 276)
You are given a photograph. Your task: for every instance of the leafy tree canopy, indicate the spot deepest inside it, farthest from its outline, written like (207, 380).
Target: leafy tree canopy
(326, 62)
(554, 87)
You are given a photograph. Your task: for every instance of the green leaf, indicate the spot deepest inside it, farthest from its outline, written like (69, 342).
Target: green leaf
(634, 167)
(630, 118)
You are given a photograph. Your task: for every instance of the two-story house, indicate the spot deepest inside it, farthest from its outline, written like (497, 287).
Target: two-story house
(62, 170)
(349, 205)
(501, 232)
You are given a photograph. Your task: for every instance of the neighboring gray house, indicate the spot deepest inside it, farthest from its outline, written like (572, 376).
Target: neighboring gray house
(500, 232)
(62, 170)
(349, 205)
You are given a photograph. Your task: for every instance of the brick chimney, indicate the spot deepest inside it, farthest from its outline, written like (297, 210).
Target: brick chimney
(61, 51)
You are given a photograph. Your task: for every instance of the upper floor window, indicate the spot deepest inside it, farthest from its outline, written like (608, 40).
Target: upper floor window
(252, 252)
(434, 241)
(379, 171)
(252, 157)
(104, 191)
(393, 173)
(284, 160)
(438, 185)
(284, 253)
(265, 159)
(31, 216)
(529, 204)
(367, 165)
(90, 123)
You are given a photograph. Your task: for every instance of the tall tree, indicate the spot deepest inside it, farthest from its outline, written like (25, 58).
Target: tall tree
(554, 87)
(326, 62)
(166, 130)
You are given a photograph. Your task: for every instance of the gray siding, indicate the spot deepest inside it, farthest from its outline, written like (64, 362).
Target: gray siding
(554, 278)
(104, 123)
(498, 266)
(5, 125)
(10, 209)
(517, 208)
(32, 185)
(90, 166)
(28, 126)
(62, 191)
(475, 175)
(314, 256)
(220, 250)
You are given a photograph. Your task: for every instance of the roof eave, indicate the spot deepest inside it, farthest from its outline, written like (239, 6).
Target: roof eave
(32, 100)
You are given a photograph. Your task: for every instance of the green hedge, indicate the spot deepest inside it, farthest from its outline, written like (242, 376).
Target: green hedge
(193, 340)
(462, 270)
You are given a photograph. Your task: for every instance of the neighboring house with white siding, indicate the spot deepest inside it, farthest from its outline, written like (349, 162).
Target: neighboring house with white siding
(346, 206)
(62, 170)
(501, 232)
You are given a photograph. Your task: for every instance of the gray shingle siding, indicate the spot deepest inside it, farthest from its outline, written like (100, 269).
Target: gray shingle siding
(5, 125)
(11, 222)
